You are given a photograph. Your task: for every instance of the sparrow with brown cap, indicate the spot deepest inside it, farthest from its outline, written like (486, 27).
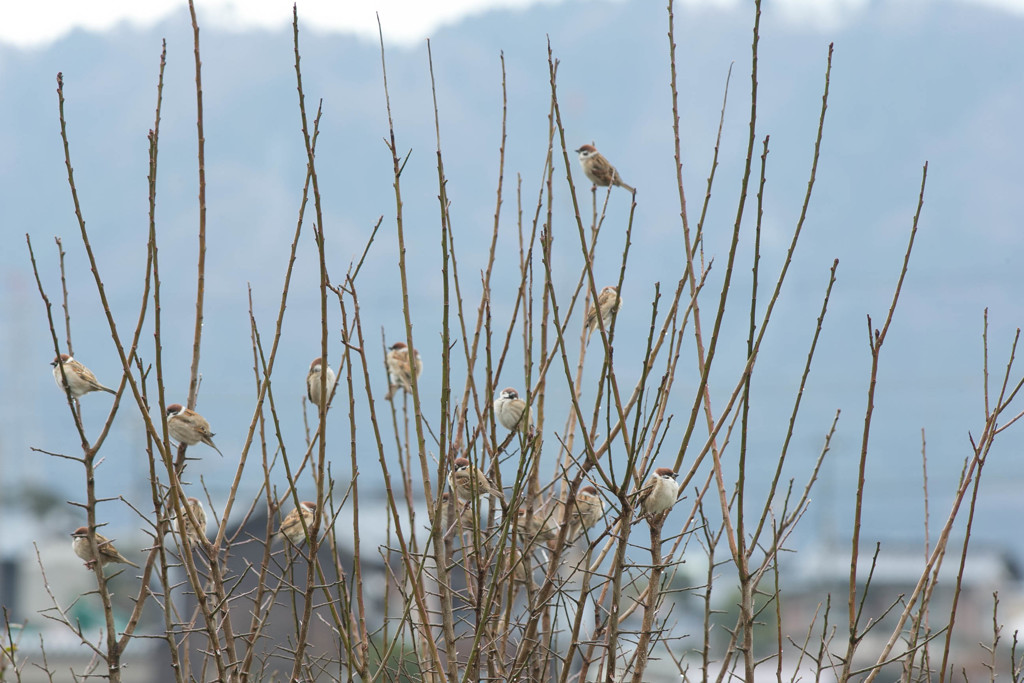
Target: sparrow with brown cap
(189, 427)
(608, 303)
(108, 553)
(313, 380)
(399, 368)
(462, 519)
(660, 492)
(291, 525)
(193, 533)
(468, 482)
(509, 411)
(597, 168)
(588, 508)
(80, 378)
(542, 525)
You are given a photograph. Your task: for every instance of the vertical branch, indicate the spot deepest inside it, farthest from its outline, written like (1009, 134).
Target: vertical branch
(319, 468)
(84, 440)
(437, 542)
(147, 283)
(193, 382)
(751, 329)
(473, 352)
(704, 359)
(154, 137)
(159, 508)
(397, 167)
(743, 559)
(64, 292)
(875, 342)
(357, 575)
(778, 289)
(643, 645)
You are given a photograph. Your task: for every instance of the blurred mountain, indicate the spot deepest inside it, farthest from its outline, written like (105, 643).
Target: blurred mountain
(910, 83)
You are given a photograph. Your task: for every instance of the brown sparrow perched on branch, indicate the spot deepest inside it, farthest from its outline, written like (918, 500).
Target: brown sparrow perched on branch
(660, 492)
(608, 302)
(108, 553)
(509, 410)
(588, 508)
(541, 526)
(291, 527)
(193, 533)
(399, 370)
(598, 169)
(80, 378)
(463, 516)
(468, 482)
(313, 381)
(189, 427)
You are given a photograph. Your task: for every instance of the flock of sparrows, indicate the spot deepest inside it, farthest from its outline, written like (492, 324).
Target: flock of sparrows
(291, 528)
(189, 428)
(403, 365)
(468, 482)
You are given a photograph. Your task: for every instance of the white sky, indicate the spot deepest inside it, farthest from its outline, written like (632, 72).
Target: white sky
(34, 23)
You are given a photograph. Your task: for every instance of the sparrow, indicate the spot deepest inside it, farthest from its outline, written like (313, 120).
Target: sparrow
(542, 525)
(80, 378)
(509, 410)
(399, 370)
(313, 381)
(597, 168)
(608, 302)
(588, 508)
(660, 492)
(189, 427)
(291, 527)
(108, 553)
(463, 517)
(468, 482)
(193, 532)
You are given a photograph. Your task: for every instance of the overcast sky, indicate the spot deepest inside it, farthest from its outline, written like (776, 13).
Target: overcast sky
(33, 24)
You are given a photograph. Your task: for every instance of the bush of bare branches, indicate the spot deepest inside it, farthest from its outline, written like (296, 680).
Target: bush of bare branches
(504, 566)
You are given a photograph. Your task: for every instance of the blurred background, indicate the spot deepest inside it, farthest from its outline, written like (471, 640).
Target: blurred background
(912, 82)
